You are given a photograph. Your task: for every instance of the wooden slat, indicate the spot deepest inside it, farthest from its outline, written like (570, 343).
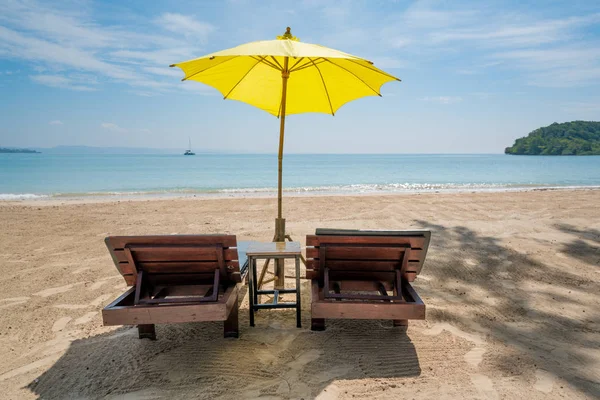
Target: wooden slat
(363, 310)
(119, 242)
(370, 253)
(185, 279)
(178, 267)
(361, 275)
(128, 269)
(413, 241)
(364, 253)
(230, 254)
(361, 265)
(173, 253)
(314, 264)
(353, 275)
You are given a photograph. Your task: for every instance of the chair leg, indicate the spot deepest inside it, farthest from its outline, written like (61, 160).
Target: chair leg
(147, 331)
(231, 326)
(317, 324)
(400, 322)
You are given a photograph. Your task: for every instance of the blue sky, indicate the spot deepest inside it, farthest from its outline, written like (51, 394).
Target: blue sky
(475, 75)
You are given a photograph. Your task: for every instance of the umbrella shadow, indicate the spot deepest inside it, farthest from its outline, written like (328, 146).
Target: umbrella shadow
(505, 293)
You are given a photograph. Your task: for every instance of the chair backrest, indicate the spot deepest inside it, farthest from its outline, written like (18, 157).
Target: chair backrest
(366, 255)
(176, 259)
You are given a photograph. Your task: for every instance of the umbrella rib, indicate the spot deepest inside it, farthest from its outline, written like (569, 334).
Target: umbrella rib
(242, 78)
(277, 62)
(324, 85)
(297, 62)
(373, 69)
(356, 76)
(308, 64)
(206, 69)
(263, 60)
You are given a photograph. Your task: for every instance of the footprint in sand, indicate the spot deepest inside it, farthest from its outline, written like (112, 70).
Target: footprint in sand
(70, 306)
(484, 386)
(29, 367)
(99, 283)
(544, 381)
(56, 290)
(86, 318)
(100, 300)
(60, 324)
(12, 301)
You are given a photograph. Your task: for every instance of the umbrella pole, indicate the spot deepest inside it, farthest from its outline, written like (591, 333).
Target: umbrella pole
(280, 221)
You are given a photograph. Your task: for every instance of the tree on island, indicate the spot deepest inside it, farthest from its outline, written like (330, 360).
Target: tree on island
(566, 139)
(5, 150)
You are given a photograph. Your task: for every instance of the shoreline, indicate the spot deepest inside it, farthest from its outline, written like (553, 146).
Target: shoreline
(126, 197)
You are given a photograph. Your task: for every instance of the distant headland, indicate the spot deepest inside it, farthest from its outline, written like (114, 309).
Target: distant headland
(577, 138)
(6, 150)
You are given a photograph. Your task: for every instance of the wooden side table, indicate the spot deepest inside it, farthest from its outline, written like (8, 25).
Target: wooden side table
(275, 250)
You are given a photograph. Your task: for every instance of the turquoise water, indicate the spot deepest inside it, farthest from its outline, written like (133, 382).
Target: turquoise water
(33, 175)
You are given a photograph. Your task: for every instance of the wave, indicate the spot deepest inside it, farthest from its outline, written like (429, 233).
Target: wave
(387, 187)
(308, 190)
(21, 196)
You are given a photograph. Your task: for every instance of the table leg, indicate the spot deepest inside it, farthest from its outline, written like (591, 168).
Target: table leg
(254, 277)
(251, 290)
(298, 304)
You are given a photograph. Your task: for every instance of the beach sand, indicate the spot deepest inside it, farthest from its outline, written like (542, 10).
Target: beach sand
(511, 283)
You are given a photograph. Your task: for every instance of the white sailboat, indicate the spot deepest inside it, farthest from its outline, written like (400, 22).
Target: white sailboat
(189, 151)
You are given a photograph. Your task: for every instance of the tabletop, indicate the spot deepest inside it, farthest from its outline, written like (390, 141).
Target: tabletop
(261, 249)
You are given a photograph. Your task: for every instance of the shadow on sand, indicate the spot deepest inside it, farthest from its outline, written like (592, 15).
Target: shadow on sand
(524, 314)
(579, 247)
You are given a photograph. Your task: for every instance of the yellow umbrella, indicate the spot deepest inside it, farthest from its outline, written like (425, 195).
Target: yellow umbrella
(286, 76)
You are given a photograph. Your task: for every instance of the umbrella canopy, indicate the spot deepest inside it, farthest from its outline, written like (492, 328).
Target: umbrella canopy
(286, 76)
(320, 79)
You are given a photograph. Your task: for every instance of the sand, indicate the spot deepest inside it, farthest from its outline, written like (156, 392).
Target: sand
(511, 283)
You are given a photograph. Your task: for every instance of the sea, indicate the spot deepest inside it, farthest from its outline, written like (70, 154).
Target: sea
(38, 176)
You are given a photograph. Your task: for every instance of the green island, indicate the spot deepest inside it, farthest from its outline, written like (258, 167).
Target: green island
(580, 138)
(5, 150)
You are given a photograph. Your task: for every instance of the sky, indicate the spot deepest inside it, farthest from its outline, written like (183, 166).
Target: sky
(475, 75)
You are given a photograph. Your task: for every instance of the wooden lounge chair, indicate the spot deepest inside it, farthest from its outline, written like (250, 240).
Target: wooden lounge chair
(365, 274)
(176, 278)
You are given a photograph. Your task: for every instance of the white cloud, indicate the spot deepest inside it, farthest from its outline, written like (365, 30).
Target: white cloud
(59, 81)
(60, 42)
(113, 127)
(186, 25)
(516, 35)
(443, 99)
(55, 122)
(544, 51)
(564, 66)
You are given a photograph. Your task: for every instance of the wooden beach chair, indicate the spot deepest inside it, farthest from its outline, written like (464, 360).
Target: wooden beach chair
(360, 274)
(176, 278)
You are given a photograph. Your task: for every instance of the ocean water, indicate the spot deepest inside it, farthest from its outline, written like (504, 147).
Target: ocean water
(48, 175)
